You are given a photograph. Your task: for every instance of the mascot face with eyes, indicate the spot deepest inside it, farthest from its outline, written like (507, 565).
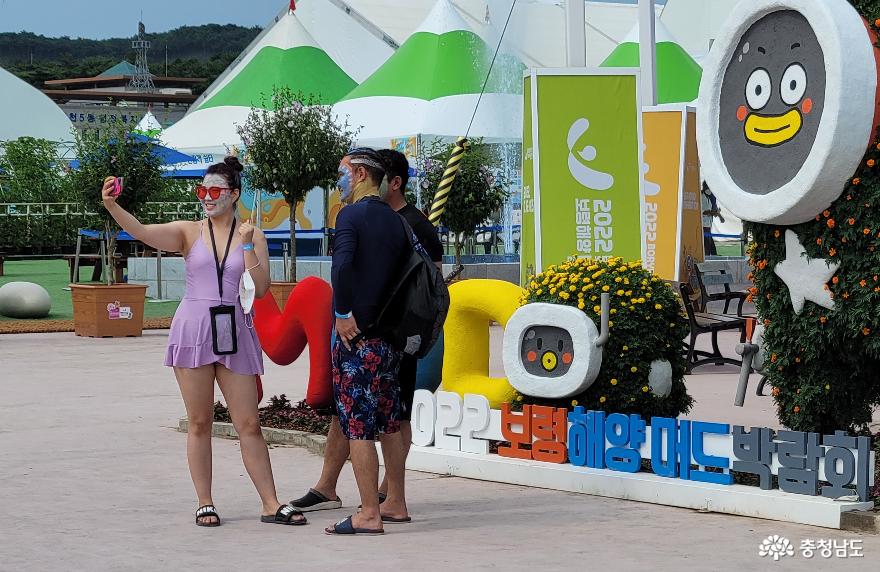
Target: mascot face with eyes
(786, 109)
(773, 95)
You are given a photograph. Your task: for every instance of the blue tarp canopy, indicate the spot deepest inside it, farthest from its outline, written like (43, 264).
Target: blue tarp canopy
(168, 155)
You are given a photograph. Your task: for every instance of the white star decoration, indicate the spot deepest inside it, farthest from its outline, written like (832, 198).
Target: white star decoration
(805, 277)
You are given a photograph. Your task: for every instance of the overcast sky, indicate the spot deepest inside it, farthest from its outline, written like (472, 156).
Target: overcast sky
(118, 18)
(99, 19)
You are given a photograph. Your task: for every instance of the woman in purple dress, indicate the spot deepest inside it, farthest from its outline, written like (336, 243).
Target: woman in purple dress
(210, 338)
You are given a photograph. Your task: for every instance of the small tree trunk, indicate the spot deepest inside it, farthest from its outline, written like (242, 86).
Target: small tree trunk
(459, 244)
(110, 242)
(291, 270)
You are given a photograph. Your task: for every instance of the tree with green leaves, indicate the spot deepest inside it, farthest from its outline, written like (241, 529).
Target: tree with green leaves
(32, 170)
(293, 144)
(116, 152)
(478, 193)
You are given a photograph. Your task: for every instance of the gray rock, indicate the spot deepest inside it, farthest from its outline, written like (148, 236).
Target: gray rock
(24, 300)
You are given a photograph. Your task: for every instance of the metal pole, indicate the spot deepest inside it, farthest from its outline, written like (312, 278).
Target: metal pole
(576, 34)
(747, 351)
(79, 240)
(648, 52)
(158, 274)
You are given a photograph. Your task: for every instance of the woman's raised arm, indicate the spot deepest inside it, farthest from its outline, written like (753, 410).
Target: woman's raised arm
(168, 237)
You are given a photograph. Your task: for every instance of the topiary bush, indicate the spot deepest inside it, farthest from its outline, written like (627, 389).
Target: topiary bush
(823, 363)
(647, 323)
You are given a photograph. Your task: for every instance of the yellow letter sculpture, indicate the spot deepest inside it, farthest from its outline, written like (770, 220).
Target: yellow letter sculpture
(474, 304)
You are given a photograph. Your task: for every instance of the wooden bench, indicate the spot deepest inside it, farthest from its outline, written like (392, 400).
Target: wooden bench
(714, 273)
(704, 323)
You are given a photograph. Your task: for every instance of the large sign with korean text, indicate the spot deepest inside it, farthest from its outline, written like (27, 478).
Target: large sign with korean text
(832, 466)
(586, 164)
(673, 221)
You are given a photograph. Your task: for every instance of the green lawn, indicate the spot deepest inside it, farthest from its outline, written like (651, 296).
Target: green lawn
(53, 276)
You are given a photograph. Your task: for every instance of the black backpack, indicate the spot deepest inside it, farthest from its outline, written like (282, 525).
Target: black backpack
(413, 316)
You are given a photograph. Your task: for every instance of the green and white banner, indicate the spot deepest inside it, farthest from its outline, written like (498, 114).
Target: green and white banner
(582, 148)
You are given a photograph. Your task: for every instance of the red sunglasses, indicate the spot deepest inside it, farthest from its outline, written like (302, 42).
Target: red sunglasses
(214, 192)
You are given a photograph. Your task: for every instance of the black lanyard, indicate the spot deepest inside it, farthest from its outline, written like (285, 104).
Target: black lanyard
(220, 266)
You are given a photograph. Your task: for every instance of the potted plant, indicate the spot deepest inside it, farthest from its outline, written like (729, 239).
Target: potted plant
(112, 309)
(293, 144)
(479, 190)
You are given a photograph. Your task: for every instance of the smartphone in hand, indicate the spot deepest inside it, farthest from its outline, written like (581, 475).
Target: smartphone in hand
(118, 183)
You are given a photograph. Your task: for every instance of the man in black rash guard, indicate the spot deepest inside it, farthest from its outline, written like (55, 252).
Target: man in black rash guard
(323, 496)
(369, 250)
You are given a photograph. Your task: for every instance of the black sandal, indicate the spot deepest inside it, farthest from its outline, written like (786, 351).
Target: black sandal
(285, 515)
(205, 512)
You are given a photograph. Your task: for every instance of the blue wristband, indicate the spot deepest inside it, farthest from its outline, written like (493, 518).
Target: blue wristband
(248, 246)
(343, 316)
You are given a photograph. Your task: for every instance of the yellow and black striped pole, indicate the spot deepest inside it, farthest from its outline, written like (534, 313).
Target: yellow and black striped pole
(442, 195)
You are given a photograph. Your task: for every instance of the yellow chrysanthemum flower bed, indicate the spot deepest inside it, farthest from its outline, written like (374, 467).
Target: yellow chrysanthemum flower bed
(646, 324)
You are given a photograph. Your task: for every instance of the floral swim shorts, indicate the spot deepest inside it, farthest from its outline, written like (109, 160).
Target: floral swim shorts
(366, 390)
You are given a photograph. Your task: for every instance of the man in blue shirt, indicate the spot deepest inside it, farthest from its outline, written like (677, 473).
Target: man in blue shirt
(370, 248)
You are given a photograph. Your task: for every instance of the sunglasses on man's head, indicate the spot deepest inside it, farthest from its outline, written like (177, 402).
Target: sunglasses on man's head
(214, 192)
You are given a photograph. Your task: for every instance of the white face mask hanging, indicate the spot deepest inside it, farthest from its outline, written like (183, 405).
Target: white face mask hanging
(247, 292)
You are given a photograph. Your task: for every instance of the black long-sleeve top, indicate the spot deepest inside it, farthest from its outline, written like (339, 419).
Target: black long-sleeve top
(369, 249)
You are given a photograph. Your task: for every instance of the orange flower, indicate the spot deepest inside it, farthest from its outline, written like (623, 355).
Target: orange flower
(750, 276)
(866, 331)
(775, 392)
(776, 233)
(877, 23)
(851, 221)
(835, 280)
(846, 295)
(876, 278)
(797, 360)
(773, 358)
(878, 146)
(819, 240)
(877, 289)
(866, 231)
(826, 213)
(822, 319)
(863, 283)
(766, 322)
(849, 197)
(832, 251)
(797, 409)
(843, 240)
(856, 181)
(830, 223)
(871, 162)
(762, 264)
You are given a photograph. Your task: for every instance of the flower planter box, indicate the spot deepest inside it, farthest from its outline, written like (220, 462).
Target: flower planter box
(101, 311)
(281, 290)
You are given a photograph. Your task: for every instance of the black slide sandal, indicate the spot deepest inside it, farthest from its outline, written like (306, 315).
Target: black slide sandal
(285, 516)
(207, 511)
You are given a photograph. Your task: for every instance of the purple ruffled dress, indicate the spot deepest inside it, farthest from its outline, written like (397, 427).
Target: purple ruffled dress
(189, 342)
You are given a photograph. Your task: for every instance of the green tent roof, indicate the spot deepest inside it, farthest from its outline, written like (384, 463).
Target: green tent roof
(678, 75)
(442, 58)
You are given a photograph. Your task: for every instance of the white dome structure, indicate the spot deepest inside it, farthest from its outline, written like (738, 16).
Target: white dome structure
(25, 112)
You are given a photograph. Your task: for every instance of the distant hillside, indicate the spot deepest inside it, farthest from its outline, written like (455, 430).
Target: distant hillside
(193, 51)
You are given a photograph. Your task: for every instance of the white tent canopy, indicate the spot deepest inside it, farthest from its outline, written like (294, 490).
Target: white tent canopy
(398, 101)
(25, 112)
(318, 49)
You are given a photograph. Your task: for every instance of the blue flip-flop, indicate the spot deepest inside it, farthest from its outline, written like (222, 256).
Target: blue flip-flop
(346, 527)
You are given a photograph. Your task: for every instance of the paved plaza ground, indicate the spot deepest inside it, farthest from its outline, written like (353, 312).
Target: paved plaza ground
(93, 477)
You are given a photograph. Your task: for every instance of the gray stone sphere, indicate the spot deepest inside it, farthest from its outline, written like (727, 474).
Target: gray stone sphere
(24, 300)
